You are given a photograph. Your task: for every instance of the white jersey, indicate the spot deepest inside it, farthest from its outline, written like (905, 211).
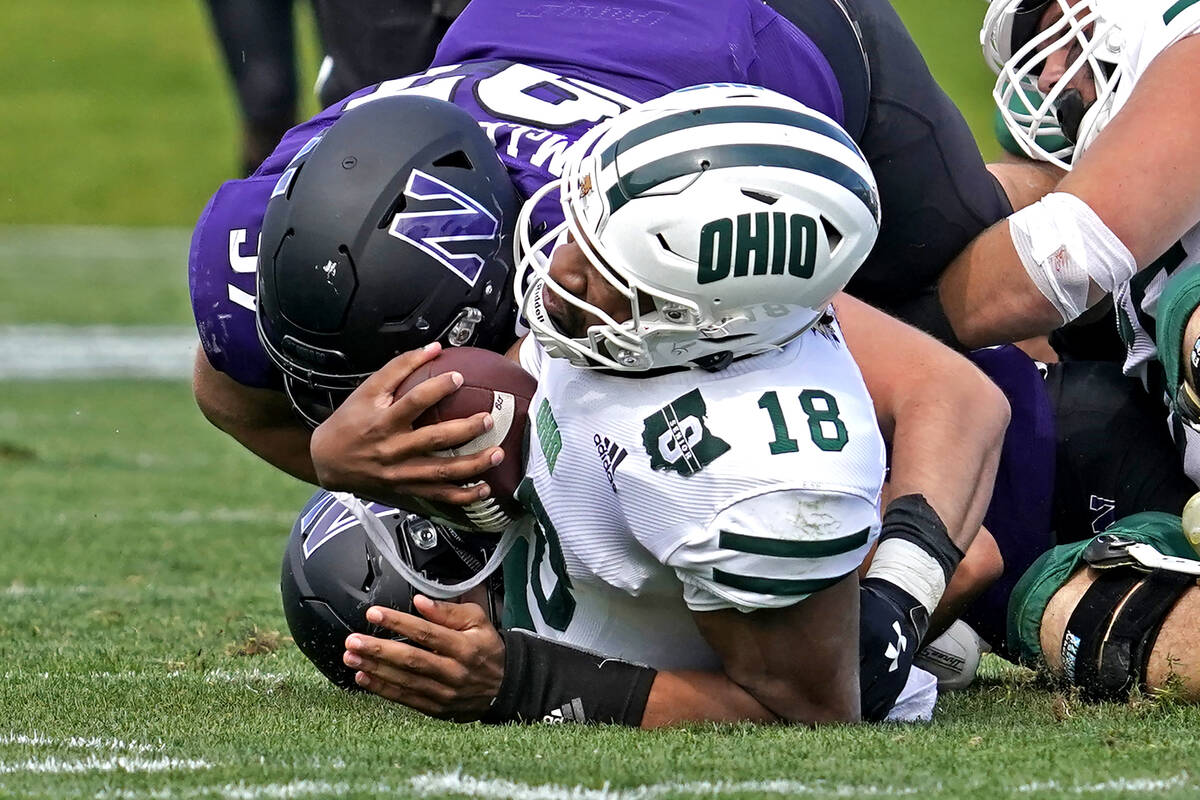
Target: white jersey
(1147, 29)
(747, 488)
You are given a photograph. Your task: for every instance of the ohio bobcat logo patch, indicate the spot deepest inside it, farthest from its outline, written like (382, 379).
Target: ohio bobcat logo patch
(677, 439)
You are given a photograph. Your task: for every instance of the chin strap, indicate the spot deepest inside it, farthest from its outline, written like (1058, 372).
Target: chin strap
(379, 535)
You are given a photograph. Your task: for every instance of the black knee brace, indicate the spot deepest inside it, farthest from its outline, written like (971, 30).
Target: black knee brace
(1107, 643)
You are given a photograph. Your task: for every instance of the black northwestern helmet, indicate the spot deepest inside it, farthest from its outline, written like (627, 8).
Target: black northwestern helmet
(332, 574)
(390, 231)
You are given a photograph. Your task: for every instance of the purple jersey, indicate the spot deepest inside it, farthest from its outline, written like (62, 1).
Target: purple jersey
(1018, 516)
(536, 77)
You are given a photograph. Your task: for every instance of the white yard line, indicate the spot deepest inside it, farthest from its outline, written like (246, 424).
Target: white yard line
(456, 783)
(56, 766)
(249, 791)
(36, 739)
(40, 352)
(438, 785)
(253, 678)
(45, 352)
(1112, 785)
(82, 242)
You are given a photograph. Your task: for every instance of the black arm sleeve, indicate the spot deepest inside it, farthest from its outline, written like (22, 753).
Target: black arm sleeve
(545, 681)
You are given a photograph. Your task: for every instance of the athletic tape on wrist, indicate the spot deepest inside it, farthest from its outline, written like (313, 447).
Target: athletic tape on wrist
(546, 681)
(1065, 247)
(915, 551)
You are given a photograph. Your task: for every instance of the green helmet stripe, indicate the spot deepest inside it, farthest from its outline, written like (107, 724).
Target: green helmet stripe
(647, 177)
(725, 114)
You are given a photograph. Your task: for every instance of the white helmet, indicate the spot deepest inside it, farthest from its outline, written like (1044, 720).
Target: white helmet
(1016, 52)
(728, 216)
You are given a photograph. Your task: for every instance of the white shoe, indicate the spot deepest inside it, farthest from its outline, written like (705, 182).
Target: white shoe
(953, 657)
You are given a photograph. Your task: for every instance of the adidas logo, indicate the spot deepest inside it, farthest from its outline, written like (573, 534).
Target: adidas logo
(569, 712)
(611, 456)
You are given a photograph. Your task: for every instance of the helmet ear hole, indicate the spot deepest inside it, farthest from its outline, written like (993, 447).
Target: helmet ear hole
(458, 158)
(762, 197)
(832, 234)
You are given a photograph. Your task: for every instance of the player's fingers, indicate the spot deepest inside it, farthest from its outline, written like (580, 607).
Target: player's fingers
(449, 470)
(427, 393)
(446, 615)
(437, 685)
(392, 374)
(429, 635)
(445, 435)
(399, 657)
(426, 699)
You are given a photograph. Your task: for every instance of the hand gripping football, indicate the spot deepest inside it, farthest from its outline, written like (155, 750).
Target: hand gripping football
(492, 383)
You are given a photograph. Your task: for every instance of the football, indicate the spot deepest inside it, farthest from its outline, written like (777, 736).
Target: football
(492, 383)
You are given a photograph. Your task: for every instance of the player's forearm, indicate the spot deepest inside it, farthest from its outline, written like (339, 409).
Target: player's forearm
(683, 696)
(981, 566)
(946, 446)
(989, 298)
(259, 419)
(1024, 180)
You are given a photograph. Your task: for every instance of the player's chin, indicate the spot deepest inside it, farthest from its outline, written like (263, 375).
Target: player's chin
(566, 319)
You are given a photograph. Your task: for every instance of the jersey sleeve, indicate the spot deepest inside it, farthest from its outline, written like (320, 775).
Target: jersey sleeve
(789, 62)
(774, 548)
(223, 259)
(221, 278)
(1181, 18)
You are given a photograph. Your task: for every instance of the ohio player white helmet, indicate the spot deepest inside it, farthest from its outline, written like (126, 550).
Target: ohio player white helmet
(727, 215)
(1091, 32)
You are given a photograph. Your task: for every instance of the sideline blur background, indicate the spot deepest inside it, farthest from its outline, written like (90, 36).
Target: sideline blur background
(120, 112)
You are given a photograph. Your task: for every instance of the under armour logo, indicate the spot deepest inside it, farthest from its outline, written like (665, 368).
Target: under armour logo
(431, 231)
(894, 651)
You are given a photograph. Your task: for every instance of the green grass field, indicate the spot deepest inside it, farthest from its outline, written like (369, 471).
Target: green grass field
(143, 651)
(142, 657)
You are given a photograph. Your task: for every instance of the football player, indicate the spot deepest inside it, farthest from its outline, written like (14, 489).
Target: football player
(532, 77)
(709, 546)
(1092, 87)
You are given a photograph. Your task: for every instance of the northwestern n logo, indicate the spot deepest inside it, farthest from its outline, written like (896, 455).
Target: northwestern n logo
(455, 217)
(324, 518)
